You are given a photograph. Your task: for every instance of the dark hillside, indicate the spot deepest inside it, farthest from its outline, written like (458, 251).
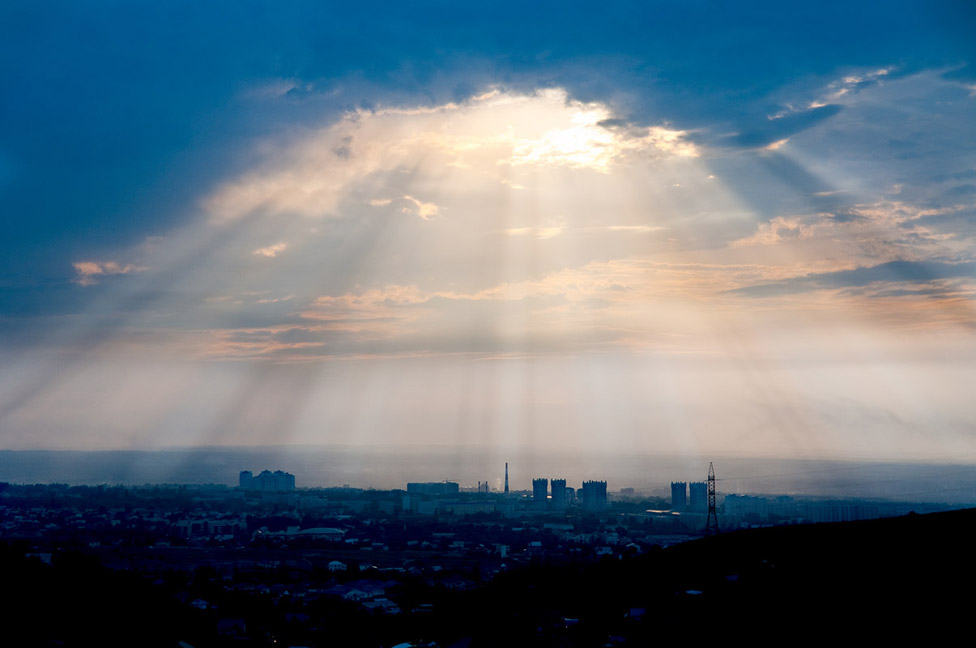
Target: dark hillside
(891, 578)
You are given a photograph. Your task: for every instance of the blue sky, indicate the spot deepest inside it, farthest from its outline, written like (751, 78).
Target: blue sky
(684, 227)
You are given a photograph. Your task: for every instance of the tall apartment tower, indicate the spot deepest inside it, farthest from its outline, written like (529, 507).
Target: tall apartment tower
(540, 493)
(506, 478)
(560, 498)
(679, 496)
(594, 496)
(699, 497)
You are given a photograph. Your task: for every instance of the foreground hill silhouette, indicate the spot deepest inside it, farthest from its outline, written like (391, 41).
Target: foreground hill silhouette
(893, 578)
(898, 578)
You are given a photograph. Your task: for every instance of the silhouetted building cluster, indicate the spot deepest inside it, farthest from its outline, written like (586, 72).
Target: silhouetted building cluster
(553, 494)
(267, 481)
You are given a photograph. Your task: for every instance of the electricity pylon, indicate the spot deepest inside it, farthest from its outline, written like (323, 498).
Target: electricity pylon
(711, 525)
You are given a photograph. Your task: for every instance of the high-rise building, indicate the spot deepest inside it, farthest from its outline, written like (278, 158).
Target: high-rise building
(594, 496)
(679, 496)
(246, 480)
(540, 492)
(699, 496)
(560, 498)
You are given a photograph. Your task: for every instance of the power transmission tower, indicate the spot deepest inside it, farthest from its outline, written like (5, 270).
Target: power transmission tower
(711, 525)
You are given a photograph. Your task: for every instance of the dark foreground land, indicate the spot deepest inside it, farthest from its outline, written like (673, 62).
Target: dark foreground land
(899, 578)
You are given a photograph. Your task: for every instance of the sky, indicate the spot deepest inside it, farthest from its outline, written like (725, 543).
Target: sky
(685, 228)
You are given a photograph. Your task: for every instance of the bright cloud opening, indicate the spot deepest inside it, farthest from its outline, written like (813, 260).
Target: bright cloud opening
(497, 133)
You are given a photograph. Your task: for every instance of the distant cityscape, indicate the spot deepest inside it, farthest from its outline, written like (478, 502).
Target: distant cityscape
(688, 502)
(322, 556)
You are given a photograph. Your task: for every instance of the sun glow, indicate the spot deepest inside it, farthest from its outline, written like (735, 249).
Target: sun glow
(499, 134)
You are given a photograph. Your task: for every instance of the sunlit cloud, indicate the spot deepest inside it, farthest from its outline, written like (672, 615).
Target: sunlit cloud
(274, 300)
(426, 210)
(775, 231)
(280, 341)
(271, 251)
(536, 232)
(88, 273)
(593, 139)
(861, 234)
(371, 300)
(855, 83)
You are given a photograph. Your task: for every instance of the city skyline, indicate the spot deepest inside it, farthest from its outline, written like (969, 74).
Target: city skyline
(316, 468)
(661, 229)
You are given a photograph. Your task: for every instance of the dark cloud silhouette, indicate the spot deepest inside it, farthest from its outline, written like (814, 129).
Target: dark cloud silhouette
(760, 134)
